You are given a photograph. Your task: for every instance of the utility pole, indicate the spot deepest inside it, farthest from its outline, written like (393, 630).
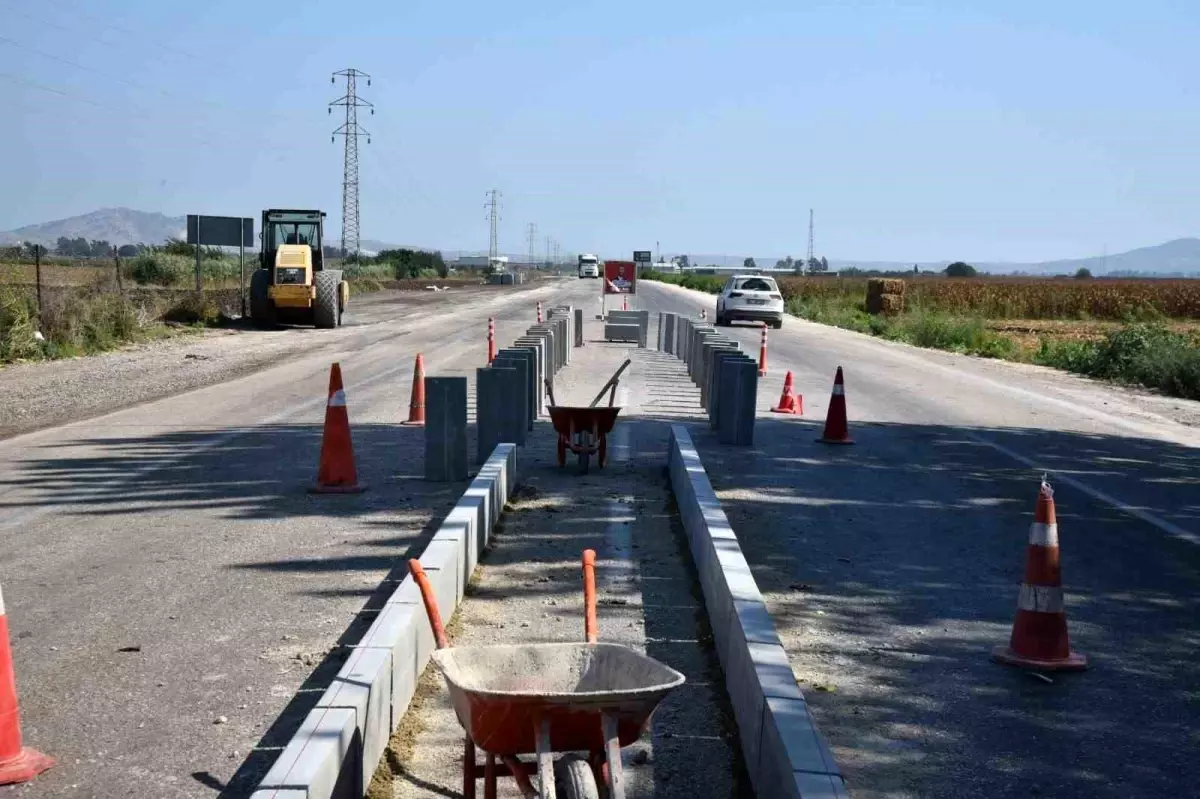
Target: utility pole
(808, 263)
(351, 130)
(531, 237)
(493, 206)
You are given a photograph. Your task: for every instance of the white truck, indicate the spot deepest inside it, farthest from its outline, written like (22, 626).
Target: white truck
(589, 266)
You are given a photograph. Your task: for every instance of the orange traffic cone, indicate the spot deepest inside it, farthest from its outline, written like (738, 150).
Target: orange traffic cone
(1039, 634)
(336, 473)
(762, 353)
(539, 309)
(491, 339)
(788, 401)
(837, 429)
(624, 302)
(416, 405)
(17, 764)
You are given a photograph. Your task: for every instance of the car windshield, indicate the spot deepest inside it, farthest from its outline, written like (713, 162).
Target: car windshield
(756, 284)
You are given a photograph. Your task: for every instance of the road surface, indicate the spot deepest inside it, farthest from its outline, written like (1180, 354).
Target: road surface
(893, 566)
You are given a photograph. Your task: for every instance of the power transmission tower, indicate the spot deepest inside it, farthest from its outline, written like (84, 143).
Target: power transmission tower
(531, 236)
(548, 243)
(493, 206)
(351, 130)
(808, 264)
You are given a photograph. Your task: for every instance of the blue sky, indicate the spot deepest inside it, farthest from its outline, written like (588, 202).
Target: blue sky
(917, 130)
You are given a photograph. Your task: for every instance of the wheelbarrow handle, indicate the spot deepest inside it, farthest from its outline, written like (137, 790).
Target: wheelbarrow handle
(431, 607)
(612, 381)
(590, 626)
(550, 392)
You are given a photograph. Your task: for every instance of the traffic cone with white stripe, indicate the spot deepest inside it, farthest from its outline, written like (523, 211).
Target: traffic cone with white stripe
(837, 430)
(762, 353)
(336, 473)
(1039, 634)
(416, 402)
(491, 339)
(789, 401)
(539, 312)
(17, 763)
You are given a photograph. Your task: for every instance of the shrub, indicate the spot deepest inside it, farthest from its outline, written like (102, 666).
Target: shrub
(17, 326)
(1149, 355)
(196, 308)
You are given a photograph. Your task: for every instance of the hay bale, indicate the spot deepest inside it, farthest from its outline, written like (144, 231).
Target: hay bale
(892, 304)
(889, 304)
(878, 286)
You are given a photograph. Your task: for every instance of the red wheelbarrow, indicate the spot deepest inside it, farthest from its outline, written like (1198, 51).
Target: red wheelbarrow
(543, 699)
(584, 431)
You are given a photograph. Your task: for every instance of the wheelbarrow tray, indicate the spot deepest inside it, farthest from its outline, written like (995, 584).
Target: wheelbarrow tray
(501, 694)
(568, 419)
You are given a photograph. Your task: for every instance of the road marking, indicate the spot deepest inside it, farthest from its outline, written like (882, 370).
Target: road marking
(1167, 527)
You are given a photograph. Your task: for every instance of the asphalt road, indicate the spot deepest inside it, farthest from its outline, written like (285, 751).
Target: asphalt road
(892, 566)
(170, 585)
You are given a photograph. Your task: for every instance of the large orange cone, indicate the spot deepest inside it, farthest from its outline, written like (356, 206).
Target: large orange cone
(336, 473)
(1039, 634)
(17, 763)
(416, 404)
(789, 402)
(491, 339)
(837, 429)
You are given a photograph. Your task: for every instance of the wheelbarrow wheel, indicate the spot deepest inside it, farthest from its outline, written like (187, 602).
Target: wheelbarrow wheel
(573, 778)
(585, 456)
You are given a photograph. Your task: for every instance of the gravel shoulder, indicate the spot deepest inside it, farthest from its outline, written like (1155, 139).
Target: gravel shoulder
(45, 394)
(528, 588)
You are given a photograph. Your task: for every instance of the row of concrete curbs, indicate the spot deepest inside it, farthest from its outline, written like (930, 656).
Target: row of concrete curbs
(728, 381)
(726, 376)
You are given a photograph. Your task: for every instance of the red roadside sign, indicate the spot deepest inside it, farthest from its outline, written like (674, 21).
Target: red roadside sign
(620, 277)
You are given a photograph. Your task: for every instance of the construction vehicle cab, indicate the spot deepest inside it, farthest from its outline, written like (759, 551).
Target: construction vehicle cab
(292, 283)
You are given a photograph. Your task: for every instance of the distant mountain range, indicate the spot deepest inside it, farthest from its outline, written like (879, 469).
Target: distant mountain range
(114, 225)
(127, 226)
(1177, 257)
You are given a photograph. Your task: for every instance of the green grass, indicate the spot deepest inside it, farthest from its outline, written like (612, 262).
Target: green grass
(1140, 353)
(71, 323)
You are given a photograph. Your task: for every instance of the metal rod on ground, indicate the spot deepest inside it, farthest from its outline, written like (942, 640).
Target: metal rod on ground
(242, 275)
(37, 261)
(199, 287)
(611, 381)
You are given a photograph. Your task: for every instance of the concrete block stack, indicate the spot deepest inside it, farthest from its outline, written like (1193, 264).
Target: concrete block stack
(627, 326)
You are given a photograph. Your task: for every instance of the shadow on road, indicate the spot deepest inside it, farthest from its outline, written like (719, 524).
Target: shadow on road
(893, 566)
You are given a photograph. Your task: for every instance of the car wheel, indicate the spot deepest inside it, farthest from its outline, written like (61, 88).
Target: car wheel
(777, 324)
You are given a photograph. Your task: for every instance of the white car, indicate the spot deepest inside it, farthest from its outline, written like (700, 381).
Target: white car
(753, 298)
